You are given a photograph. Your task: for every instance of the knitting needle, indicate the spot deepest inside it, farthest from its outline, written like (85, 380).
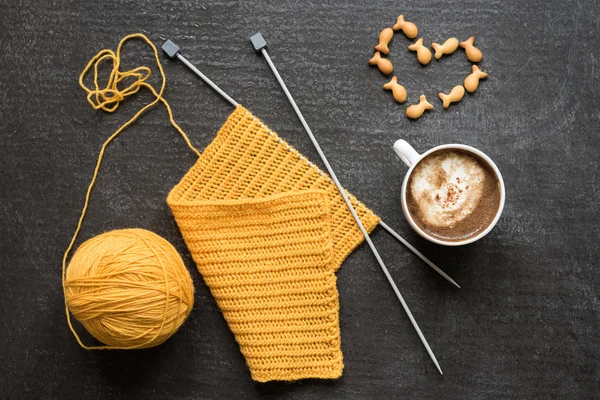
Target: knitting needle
(260, 44)
(172, 50)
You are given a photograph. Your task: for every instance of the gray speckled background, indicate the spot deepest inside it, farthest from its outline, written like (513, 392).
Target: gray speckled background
(526, 323)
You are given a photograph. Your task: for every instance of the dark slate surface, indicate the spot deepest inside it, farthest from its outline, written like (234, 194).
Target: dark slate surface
(526, 323)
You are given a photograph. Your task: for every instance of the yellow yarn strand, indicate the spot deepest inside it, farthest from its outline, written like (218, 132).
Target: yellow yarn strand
(108, 99)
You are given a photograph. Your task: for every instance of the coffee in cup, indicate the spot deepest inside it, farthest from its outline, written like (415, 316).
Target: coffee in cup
(452, 194)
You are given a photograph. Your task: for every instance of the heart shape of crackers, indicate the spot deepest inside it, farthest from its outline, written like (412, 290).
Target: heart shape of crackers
(424, 56)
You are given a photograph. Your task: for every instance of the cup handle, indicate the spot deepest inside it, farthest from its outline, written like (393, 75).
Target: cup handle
(406, 152)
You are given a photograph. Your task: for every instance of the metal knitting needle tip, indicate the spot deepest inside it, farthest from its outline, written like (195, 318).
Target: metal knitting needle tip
(260, 44)
(173, 51)
(418, 253)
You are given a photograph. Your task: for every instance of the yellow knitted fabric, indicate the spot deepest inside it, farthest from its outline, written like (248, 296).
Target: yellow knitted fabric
(267, 230)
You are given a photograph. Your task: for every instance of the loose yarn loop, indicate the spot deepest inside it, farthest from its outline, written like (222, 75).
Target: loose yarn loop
(129, 288)
(149, 314)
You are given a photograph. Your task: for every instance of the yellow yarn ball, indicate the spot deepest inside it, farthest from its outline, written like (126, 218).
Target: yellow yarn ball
(129, 288)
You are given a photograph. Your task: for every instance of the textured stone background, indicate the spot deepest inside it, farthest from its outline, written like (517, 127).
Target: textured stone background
(526, 323)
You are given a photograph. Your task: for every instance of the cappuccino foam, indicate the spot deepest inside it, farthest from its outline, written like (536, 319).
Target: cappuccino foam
(453, 195)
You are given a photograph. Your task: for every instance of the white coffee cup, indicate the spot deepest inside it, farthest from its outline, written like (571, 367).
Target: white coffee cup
(410, 157)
